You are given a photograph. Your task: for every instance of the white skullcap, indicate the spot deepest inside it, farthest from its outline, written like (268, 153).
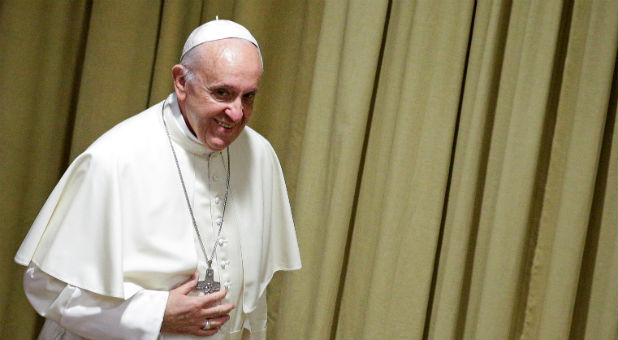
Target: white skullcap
(217, 30)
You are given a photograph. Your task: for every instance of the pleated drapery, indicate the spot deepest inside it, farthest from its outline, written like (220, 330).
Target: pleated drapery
(452, 165)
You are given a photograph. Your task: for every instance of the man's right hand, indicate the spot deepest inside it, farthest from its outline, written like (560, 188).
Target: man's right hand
(187, 314)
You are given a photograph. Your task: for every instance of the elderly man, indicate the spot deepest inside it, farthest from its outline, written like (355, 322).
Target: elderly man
(171, 224)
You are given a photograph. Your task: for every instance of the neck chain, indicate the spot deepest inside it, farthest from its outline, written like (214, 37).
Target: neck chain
(208, 285)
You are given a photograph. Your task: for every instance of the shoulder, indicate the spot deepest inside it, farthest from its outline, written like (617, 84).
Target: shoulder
(254, 156)
(259, 143)
(139, 127)
(255, 150)
(132, 137)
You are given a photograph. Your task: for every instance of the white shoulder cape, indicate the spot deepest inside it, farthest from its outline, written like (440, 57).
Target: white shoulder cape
(117, 220)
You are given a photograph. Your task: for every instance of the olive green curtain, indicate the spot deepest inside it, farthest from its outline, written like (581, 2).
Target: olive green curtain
(452, 165)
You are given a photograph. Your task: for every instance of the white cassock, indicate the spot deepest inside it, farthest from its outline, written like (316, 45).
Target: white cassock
(116, 235)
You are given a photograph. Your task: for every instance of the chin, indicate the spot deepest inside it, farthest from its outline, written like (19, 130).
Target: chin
(216, 147)
(220, 143)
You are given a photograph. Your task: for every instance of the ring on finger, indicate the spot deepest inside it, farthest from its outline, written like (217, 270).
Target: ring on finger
(207, 325)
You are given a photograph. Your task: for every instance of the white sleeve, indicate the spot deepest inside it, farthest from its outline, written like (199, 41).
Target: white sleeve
(92, 315)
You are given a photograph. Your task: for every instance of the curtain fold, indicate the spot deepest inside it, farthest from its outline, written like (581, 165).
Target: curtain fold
(406, 171)
(346, 59)
(176, 20)
(469, 171)
(452, 165)
(595, 317)
(36, 100)
(573, 171)
(508, 218)
(115, 81)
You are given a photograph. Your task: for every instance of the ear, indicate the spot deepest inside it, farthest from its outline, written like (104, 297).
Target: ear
(180, 84)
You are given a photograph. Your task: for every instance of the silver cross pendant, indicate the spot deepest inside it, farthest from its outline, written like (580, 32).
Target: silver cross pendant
(209, 285)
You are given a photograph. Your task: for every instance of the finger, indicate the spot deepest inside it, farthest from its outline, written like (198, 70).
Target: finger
(217, 322)
(215, 325)
(217, 311)
(212, 298)
(203, 332)
(187, 286)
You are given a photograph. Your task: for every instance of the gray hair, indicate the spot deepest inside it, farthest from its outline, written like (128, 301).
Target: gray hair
(189, 61)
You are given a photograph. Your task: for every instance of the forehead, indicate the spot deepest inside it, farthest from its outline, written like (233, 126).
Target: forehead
(230, 57)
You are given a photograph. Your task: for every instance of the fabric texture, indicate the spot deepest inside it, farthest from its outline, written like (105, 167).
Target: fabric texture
(93, 316)
(87, 315)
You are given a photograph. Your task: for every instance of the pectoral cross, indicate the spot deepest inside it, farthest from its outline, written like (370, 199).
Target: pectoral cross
(208, 285)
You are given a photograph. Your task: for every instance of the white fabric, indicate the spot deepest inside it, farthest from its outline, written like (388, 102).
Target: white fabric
(182, 125)
(92, 316)
(217, 30)
(117, 222)
(207, 198)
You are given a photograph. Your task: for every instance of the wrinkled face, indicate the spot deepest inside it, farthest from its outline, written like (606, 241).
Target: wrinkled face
(218, 101)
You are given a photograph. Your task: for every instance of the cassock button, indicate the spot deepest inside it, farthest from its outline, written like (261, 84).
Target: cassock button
(221, 241)
(224, 264)
(219, 221)
(217, 200)
(227, 285)
(215, 178)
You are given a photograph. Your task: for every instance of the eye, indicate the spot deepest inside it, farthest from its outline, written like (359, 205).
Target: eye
(248, 98)
(221, 92)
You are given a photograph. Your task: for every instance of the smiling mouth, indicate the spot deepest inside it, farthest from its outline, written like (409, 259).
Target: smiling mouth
(223, 124)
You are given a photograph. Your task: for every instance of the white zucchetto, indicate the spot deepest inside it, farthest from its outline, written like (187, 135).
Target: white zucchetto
(217, 30)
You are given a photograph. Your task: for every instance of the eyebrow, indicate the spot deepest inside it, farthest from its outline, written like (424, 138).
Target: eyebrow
(229, 87)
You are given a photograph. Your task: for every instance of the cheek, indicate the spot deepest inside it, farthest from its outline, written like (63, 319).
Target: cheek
(205, 111)
(247, 113)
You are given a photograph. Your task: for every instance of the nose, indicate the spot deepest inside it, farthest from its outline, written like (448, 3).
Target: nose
(235, 110)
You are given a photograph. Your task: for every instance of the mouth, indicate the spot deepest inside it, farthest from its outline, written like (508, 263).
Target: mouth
(224, 124)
